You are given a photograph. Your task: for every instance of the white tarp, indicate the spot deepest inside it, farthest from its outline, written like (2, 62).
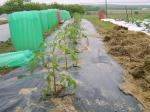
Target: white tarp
(130, 26)
(4, 32)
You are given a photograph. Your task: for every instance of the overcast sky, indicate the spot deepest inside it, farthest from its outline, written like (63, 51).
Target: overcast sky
(137, 2)
(94, 1)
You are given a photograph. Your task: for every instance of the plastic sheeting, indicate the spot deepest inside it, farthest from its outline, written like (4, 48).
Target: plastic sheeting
(130, 26)
(4, 32)
(20, 91)
(15, 59)
(65, 15)
(25, 29)
(99, 78)
(44, 19)
(52, 18)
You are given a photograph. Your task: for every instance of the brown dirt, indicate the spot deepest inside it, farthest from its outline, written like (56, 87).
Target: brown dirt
(62, 102)
(63, 105)
(132, 50)
(3, 22)
(6, 47)
(4, 71)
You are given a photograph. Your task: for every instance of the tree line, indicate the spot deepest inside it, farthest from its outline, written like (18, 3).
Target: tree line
(19, 5)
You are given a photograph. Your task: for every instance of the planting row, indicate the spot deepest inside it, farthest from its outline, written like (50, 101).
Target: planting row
(61, 55)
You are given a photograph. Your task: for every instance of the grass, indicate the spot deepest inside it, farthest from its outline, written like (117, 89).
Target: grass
(97, 22)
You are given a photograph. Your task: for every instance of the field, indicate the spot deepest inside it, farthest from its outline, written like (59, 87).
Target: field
(3, 22)
(67, 61)
(121, 14)
(102, 24)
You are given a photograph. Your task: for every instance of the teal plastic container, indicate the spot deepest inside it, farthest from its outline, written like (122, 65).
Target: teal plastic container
(15, 59)
(44, 19)
(52, 18)
(26, 30)
(65, 15)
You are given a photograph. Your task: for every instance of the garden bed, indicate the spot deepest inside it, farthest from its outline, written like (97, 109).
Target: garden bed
(28, 89)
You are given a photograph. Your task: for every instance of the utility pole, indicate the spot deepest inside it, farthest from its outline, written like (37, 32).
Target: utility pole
(106, 8)
(127, 16)
(132, 16)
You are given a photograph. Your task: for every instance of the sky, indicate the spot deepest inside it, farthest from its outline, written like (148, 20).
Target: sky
(95, 1)
(128, 2)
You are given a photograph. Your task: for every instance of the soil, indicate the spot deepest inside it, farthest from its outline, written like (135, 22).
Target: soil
(4, 71)
(132, 51)
(6, 47)
(3, 22)
(63, 104)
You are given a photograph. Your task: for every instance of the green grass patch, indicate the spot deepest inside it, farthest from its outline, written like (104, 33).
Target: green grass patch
(97, 22)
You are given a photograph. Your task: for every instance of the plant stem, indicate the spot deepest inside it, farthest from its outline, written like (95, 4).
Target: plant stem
(76, 62)
(43, 61)
(54, 81)
(66, 60)
(54, 69)
(54, 77)
(87, 41)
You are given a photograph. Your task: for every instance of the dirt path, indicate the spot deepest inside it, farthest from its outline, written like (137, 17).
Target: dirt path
(99, 79)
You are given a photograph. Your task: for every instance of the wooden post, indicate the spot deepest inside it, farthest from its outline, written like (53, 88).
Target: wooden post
(132, 16)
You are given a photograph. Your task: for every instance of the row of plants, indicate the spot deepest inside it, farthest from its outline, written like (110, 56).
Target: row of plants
(60, 56)
(19, 5)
